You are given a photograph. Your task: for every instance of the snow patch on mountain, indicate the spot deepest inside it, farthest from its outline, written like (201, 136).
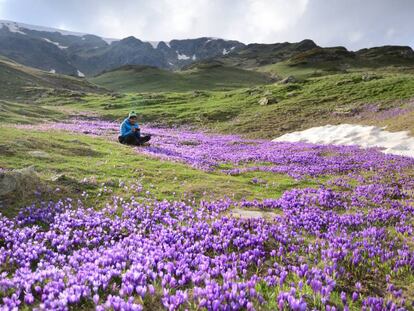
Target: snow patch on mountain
(154, 43)
(18, 27)
(40, 28)
(80, 73)
(194, 57)
(182, 56)
(109, 40)
(12, 26)
(55, 43)
(225, 52)
(212, 39)
(52, 70)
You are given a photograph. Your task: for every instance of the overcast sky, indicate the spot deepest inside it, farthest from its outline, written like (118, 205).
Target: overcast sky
(351, 23)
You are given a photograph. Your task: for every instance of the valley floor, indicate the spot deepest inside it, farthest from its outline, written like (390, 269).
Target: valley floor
(200, 220)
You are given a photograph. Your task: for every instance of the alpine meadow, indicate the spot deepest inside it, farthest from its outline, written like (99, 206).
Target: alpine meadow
(204, 173)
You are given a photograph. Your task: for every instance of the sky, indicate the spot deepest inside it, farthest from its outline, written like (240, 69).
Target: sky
(354, 24)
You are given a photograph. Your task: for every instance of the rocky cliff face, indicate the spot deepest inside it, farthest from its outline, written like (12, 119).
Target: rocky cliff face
(78, 54)
(82, 54)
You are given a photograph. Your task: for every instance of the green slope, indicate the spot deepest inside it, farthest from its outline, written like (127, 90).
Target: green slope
(365, 98)
(151, 79)
(306, 59)
(319, 62)
(21, 82)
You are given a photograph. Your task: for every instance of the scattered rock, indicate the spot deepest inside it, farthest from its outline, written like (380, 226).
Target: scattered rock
(248, 214)
(368, 77)
(263, 101)
(8, 183)
(110, 183)
(91, 181)
(289, 79)
(39, 154)
(253, 91)
(197, 93)
(18, 180)
(6, 150)
(109, 106)
(58, 177)
(267, 101)
(116, 95)
(345, 112)
(274, 77)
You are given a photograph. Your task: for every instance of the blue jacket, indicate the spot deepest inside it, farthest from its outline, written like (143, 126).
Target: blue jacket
(126, 128)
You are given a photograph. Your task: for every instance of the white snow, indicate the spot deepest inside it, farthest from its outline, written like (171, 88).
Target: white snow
(109, 40)
(55, 43)
(41, 28)
(182, 56)
(12, 26)
(399, 143)
(212, 39)
(15, 27)
(80, 74)
(168, 44)
(225, 52)
(52, 70)
(154, 43)
(194, 57)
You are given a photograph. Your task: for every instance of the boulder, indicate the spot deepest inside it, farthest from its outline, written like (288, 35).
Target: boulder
(252, 214)
(253, 91)
(289, 79)
(368, 77)
(264, 101)
(17, 180)
(39, 154)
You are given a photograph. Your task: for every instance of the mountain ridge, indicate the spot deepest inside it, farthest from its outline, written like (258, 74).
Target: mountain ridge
(81, 54)
(90, 54)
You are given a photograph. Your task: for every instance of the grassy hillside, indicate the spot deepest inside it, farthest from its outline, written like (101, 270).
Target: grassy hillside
(151, 79)
(367, 98)
(21, 82)
(74, 163)
(103, 212)
(26, 113)
(306, 59)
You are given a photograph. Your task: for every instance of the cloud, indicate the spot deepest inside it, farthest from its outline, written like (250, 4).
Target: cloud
(355, 36)
(352, 23)
(2, 2)
(266, 18)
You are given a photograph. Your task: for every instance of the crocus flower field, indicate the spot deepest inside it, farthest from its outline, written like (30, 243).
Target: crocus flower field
(345, 245)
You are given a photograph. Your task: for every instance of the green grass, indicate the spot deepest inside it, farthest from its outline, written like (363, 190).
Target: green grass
(73, 159)
(316, 101)
(151, 79)
(19, 113)
(284, 69)
(19, 82)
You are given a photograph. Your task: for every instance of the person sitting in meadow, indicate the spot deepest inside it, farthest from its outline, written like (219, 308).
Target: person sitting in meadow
(130, 133)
